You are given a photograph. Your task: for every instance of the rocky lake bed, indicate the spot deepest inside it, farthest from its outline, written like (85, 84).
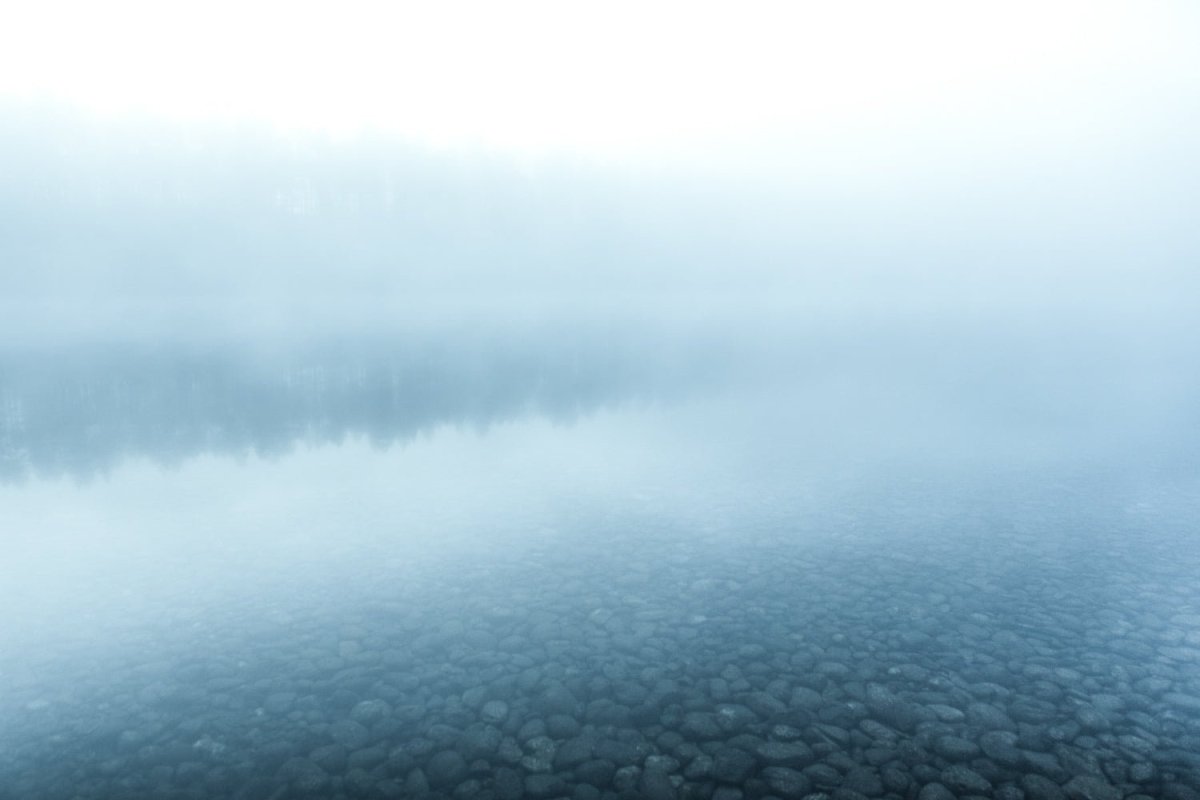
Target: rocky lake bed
(881, 653)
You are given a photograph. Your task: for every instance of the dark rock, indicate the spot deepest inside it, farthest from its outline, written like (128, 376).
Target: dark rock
(964, 780)
(480, 741)
(561, 726)
(1087, 787)
(1001, 747)
(368, 757)
(1038, 787)
(955, 748)
(494, 712)
(572, 753)
(786, 783)
(303, 776)
(823, 776)
(733, 717)
(416, 784)
(331, 758)
(988, 717)
(700, 726)
(556, 699)
(731, 765)
(656, 785)
(765, 705)
(597, 772)
(544, 786)
(445, 769)
(863, 780)
(620, 753)
(507, 784)
(368, 712)
(935, 791)
(279, 702)
(349, 734)
(785, 754)
(805, 698)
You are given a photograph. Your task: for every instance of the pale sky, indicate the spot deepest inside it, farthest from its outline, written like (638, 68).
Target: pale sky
(664, 79)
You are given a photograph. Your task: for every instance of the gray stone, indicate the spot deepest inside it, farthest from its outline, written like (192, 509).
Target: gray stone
(700, 726)
(988, 717)
(964, 780)
(787, 783)
(279, 702)
(304, 776)
(544, 786)
(368, 712)
(507, 784)
(935, 791)
(556, 699)
(349, 734)
(1038, 787)
(573, 752)
(597, 772)
(445, 768)
(1088, 787)
(1000, 746)
(656, 785)
(785, 754)
(494, 712)
(863, 780)
(955, 748)
(731, 765)
(561, 726)
(480, 741)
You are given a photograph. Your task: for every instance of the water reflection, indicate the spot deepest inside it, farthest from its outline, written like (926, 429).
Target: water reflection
(80, 410)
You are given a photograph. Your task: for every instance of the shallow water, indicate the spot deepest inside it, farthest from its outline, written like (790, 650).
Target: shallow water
(489, 568)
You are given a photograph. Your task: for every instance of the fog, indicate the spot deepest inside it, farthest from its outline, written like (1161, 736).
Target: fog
(684, 406)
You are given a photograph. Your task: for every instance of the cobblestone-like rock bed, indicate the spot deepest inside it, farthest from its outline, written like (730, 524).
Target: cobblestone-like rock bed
(927, 658)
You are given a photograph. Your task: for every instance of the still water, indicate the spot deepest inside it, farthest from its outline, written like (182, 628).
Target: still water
(605, 564)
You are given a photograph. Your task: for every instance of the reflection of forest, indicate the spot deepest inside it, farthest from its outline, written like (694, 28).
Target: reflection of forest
(79, 412)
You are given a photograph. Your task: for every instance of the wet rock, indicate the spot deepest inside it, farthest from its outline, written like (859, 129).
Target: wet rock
(349, 734)
(480, 741)
(955, 748)
(700, 726)
(545, 786)
(656, 785)
(539, 754)
(1038, 787)
(597, 772)
(304, 776)
(785, 754)
(279, 702)
(787, 783)
(560, 726)
(863, 780)
(573, 752)
(369, 712)
(731, 765)
(494, 712)
(1087, 787)
(964, 780)
(988, 717)
(1000, 746)
(445, 768)
(935, 791)
(556, 699)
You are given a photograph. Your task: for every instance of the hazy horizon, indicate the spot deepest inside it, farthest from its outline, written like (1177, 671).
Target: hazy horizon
(656, 401)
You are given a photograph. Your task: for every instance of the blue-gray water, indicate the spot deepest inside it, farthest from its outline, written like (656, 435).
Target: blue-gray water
(616, 402)
(746, 558)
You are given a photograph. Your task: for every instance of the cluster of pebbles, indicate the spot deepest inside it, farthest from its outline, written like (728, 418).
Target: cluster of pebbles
(981, 659)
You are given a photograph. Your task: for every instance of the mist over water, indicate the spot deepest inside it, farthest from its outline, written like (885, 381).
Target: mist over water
(838, 465)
